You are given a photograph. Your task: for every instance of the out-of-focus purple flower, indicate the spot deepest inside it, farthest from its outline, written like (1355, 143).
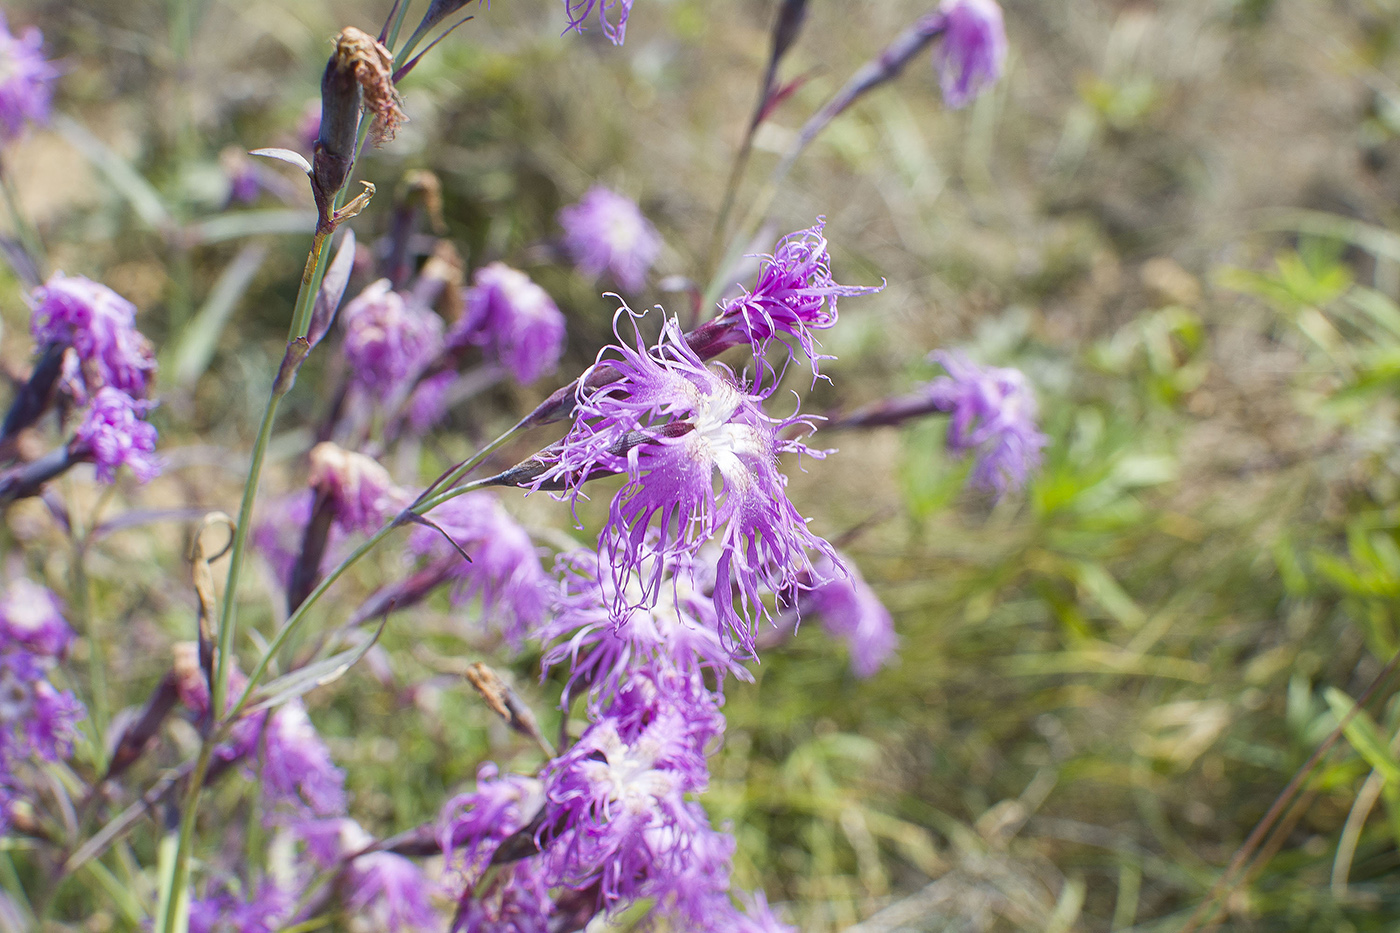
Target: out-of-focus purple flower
(758, 917)
(280, 529)
(428, 403)
(600, 650)
(993, 416)
(473, 824)
(795, 295)
(30, 616)
(100, 326)
(37, 721)
(514, 319)
(296, 768)
(673, 425)
(578, 12)
(391, 892)
(361, 491)
(221, 911)
(328, 841)
(972, 52)
(606, 231)
(114, 433)
(505, 569)
(851, 611)
(26, 81)
(244, 178)
(386, 340)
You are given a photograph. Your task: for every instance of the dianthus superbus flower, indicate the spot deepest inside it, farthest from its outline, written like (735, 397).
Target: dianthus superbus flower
(795, 294)
(972, 52)
(993, 414)
(100, 326)
(600, 649)
(361, 492)
(676, 428)
(38, 722)
(474, 824)
(851, 611)
(266, 909)
(114, 433)
(617, 798)
(514, 319)
(607, 232)
(26, 81)
(295, 766)
(387, 341)
(391, 892)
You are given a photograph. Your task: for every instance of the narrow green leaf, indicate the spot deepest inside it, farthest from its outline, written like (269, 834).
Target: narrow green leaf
(195, 346)
(1361, 732)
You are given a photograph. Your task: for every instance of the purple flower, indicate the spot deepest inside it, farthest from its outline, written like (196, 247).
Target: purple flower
(795, 295)
(973, 50)
(100, 326)
(758, 917)
(993, 415)
(296, 768)
(26, 81)
(606, 231)
(281, 528)
(617, 797)
(222, 911)
(681, 629)
(30, 616)
(428, 403)
(113, 433)
(391, 893)
(472, 825)
(37, 721)
(387, 342)
(329, 840)
(361, 492)
(514, 319)
(674, 426)
(505, 569)
(851, 611)
(578, 12)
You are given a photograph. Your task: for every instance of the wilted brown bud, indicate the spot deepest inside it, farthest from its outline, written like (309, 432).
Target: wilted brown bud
(360, 71)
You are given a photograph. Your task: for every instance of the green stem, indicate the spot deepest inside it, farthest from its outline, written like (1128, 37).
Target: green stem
(398, 25)
(295, 620)
(463, 468)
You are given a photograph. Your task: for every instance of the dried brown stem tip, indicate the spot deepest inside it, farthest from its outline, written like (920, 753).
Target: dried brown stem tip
(360, 72)
(372, 65)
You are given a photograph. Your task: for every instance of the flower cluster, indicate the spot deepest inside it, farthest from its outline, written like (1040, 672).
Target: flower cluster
(100, 326)
(26, 88)
(514, 319)
(37, 720)
(607, 232)
(993, 416)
